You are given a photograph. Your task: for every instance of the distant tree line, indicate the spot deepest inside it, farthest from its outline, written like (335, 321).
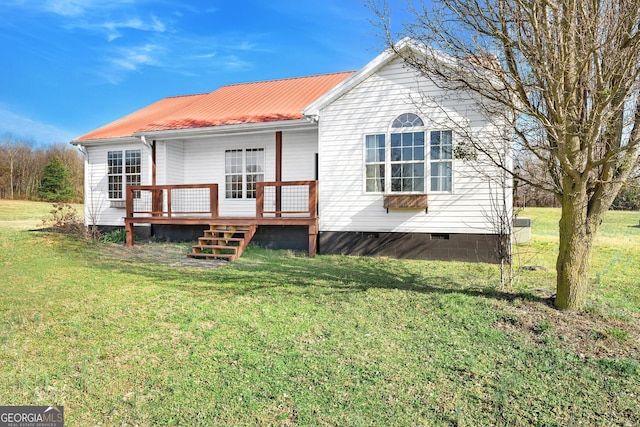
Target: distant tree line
(529, 196)
(27, 172)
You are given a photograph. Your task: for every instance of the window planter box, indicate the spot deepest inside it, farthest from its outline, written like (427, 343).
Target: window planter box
(406, 201)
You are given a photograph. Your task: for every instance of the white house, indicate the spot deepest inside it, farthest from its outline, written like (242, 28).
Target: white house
(354, 162)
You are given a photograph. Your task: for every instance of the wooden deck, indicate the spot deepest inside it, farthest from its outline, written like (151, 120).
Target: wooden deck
(288, 203)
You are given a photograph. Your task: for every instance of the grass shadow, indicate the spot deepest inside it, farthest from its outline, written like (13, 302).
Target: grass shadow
(261, 270)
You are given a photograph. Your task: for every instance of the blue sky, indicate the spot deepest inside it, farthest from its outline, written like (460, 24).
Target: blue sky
(70, 66)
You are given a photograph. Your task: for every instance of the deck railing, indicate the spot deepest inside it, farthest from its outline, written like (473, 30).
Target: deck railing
(287, 199)
(282, 199)
(172, 201)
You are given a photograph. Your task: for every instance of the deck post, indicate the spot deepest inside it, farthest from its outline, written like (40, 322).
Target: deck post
(313, 199)
(128, 226)
(213, 200)
(313, 239)
(259, 199)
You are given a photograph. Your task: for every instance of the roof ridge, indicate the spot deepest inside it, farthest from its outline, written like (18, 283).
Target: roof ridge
(184, 96)
(286, 78)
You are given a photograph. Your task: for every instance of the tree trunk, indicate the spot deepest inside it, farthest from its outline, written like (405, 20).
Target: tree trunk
(572, 267)
(10, 176)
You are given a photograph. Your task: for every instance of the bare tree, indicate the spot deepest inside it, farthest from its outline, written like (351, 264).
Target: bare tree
(565, 74)
(15, 158)
(22, 165)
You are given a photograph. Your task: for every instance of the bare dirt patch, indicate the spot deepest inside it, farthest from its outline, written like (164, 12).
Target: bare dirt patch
(589, 334)
(159, 253)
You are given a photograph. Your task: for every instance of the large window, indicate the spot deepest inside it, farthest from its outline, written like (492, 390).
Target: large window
(243, 170)
(407, 162)
(123, 168)
(403, 161)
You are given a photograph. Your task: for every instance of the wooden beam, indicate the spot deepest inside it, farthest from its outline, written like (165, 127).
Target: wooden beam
(278, 171)
(153, 163)
(279, 156)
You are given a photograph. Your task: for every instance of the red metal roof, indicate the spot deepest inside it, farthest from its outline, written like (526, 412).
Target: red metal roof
(257, 102)
(135, 121)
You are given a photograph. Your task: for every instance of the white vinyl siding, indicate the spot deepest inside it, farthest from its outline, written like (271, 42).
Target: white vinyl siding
(98, 208)
(299, 150)
(174, 168)
(344, 202)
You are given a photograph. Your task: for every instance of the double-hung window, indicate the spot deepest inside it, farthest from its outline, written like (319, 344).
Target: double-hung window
(408, 159)
(123, 168)
(407, 162)
(441, 159)
(244, 168)
(375, 162)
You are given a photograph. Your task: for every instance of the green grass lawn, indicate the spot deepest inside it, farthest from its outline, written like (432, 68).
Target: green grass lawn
(125, 337)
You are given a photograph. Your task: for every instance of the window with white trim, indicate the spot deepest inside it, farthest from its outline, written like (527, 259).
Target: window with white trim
(123, 168)
(375, 162)
(407, 162)
(244, 168)
(441, 160)
(403, 161)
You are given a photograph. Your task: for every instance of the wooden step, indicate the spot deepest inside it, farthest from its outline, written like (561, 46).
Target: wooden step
(231, 248)
(225, 242)
(227, 233)
(220, 241)
(228, 257)
(226, 239)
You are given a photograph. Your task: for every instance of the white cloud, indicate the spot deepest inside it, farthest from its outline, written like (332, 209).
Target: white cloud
(66, 7)
(135, 38)
(234, 63)
(74, 8)
(26, 127)
(114, 28)
(125, 60)
(206, 55)
(69, 8)
(177, 53)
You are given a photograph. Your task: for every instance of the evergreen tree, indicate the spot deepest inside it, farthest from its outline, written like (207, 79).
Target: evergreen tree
(55, 185)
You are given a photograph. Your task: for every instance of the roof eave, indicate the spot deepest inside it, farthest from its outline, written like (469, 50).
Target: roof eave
(203, 132)
(101, 141)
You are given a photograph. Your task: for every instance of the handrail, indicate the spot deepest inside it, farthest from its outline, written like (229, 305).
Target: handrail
(159, 203)
(311, 209)
(158, 200)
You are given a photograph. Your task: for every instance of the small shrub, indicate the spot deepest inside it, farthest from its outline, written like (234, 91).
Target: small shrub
(628, 199)
(115, 236)
(64, 219)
